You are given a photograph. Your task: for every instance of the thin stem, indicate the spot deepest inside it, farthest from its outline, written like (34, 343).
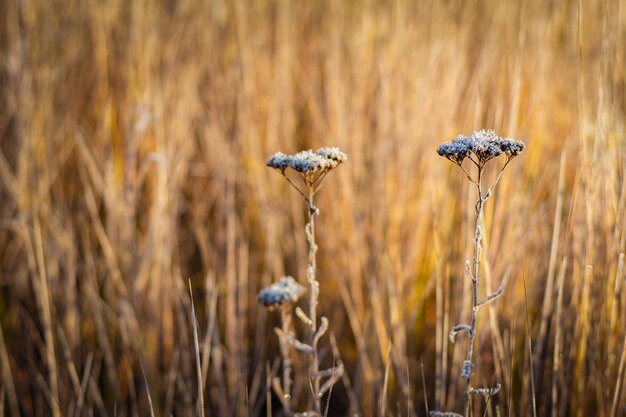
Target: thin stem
(313, 297)
(480, 202)
(489, 191)
(476, 266)
(474, 161)
(469, 177)
(196, 345)
(285, 319)
(317, 182)
(306, 200)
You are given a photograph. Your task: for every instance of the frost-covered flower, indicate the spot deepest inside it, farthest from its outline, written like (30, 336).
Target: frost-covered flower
(306, 162)
(512, 147)
(279, 161)
(482, 144)
(333, 155)
(285, 290)
(456, 151)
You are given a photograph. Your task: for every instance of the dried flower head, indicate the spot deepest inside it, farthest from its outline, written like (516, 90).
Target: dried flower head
(480, 146)
(312, 166)
(333, 155)
(279, 161)
(308, 161)
(285, 290)
(456, 150)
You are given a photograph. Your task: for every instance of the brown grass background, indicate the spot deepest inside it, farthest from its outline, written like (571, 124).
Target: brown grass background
(133, 141)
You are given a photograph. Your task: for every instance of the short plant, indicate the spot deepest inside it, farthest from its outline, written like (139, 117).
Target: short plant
(310, 170)
(478, 148)
(282, 296)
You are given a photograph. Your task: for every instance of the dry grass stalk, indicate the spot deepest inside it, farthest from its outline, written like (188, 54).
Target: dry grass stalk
(196, 346)
(556, 355)
(619, 382)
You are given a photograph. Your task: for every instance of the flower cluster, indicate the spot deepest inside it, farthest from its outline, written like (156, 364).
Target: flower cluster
(324, 159)
(483, 145)
(286, 290)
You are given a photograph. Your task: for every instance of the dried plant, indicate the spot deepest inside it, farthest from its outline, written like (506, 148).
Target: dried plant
(282, 296)
(479, 148)
(311, 168)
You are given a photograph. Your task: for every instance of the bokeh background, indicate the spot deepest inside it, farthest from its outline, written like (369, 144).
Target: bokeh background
(133, 143)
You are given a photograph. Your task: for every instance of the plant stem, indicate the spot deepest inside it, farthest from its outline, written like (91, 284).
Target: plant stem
(313, 298)
(285, 319)
(476, 266)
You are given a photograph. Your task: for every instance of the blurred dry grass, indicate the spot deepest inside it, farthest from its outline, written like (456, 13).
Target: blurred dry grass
(133, 142)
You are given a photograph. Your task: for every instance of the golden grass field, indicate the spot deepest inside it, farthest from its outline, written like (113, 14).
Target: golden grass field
(133, 139)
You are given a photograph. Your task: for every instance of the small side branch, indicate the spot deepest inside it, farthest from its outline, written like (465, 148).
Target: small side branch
(282, 397)
(303, 317)
(489, 191)
(491, 297)
(333, 375)
(321, 330)
(443, 414)
(467, 174)
(292, 341)
(486, 392)
(295, 186)
(458, 329)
